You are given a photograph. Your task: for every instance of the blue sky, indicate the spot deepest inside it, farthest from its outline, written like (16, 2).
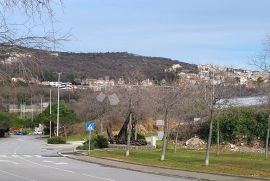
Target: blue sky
(226, 32)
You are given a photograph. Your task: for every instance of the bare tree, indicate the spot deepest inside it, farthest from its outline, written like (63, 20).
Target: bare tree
(262, 62)
(20, 38)
(167, 98)
(192, 105)
(185, 108)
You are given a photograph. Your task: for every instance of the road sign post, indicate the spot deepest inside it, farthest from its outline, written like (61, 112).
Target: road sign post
(89, 147)
(90, 126)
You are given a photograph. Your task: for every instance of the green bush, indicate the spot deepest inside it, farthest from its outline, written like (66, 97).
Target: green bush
(101, 142)
(239, 125)
(97, 142)
(140, 136)
(56, 140)
(2, 133)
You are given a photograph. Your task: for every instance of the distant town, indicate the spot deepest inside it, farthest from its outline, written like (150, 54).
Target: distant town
(227, 76)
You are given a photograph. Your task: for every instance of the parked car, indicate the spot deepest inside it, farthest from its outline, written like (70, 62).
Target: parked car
(20, 133)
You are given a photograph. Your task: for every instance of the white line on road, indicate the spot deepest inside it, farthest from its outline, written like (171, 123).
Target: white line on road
(8, 161)
(27, 156)
(61, 163)
(17, 148)
(18, 176)
(69, 171)
(3, 156)
(100, 178)
(47, 161)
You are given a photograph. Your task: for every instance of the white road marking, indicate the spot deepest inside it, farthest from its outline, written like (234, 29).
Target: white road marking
(18, 176)
(16, 156)
(27, 156)
(61, 163)
(19, 139)
(100, 178)
(47, 161)
(69, 171)
(18, 147)
(3, 156)
(8, 161)
(38, 156)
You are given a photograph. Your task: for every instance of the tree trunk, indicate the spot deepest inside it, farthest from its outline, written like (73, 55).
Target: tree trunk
(176, 138)
(65, 132)
(218, 136)
(129, 135)
(110, 133)
(267, 138)
(101, 127)
(164, 143)
(122, 133)
(136, 131)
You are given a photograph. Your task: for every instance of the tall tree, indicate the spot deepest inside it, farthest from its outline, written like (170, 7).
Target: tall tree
(262, 62)
(66, 116)
(167, 98)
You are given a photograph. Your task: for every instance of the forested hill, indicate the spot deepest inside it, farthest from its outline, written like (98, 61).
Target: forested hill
(115, 65)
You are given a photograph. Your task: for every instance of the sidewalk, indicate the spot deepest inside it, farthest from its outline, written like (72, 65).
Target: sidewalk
(155, 170)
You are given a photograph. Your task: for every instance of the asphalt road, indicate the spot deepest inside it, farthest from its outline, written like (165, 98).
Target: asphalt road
(29, 158)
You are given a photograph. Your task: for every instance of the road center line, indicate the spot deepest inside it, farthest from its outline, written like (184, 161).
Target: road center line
(100, 178)
(18, 147)
(18, 176)
(69, 171)
(8, 161)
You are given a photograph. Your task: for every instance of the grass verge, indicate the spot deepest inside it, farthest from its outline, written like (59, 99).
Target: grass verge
(77, 137)
(244, 164)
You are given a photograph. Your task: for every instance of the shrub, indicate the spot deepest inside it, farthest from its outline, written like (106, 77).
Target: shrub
(98, 142)
(140, 136)
(2, 133)
(101, 142)
(56, 140)
(241, 125)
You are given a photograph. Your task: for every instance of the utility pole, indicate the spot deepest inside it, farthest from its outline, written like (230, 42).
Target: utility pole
(207, 155)
(32, 111)
(41, 108)
(24, 105)
(50, 112)
(57, 122)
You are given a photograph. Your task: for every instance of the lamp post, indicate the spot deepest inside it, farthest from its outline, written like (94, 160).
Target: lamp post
(57, 122)
(50, 112)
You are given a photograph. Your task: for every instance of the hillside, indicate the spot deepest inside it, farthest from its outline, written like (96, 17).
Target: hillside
(97, 65)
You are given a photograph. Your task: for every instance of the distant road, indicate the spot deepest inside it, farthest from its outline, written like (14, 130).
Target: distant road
(28, 158)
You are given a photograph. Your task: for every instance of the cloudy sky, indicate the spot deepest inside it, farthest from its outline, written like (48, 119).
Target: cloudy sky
(226, 32)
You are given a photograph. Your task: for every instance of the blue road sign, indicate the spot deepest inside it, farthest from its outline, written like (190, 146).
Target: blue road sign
(90, 126)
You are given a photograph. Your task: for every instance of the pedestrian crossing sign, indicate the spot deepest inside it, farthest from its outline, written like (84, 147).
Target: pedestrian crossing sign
(90, 126)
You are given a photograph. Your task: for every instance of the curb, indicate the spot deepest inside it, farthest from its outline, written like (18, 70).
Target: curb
(157, 172)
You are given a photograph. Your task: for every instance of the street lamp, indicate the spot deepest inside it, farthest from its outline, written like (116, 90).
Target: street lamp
(57, 122)
(50, 112)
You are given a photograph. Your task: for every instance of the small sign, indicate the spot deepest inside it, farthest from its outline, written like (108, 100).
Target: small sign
(160, 135)
(196, 119)
(160, 122)
(90, 126)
